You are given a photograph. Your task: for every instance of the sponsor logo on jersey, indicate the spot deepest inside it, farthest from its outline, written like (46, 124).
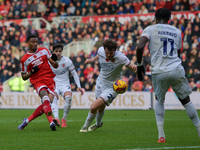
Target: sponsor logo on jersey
(107, 66)
(159, 27)
(59, 72)
(37, 62)
(63, 65)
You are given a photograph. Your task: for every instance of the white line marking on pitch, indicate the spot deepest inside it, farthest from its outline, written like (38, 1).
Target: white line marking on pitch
(105, 120)
(187, 147)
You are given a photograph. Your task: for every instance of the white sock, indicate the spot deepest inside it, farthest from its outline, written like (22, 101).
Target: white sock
(198, 129)
(99, 118)
(160, 113)
(54, 108)
(192, 114)
(67, 106)
(89, 120)
(160, 126)
(27, 121)
(51, 123)
(45, 98)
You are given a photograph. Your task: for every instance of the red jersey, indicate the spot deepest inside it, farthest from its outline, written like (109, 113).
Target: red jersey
(40, 59)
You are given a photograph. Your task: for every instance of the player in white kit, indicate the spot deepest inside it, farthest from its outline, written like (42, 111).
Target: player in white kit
(62, 83)
(164, 45)
(111, 62)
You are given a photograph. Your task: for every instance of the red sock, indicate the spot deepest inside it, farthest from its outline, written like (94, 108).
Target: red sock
(47, 110)
(38, 112)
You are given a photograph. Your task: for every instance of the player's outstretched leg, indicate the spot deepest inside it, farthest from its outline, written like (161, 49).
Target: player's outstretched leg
(56, 121)
(48, 112)
(160, 113)
(88, 121)
(94, 127)
(161, 140)
(53, 126)
(64, 123)
(67, 107)
(38, 112)
(54, 108)
(192, 113)
(98, 123)
(23, 125)
(84, 129)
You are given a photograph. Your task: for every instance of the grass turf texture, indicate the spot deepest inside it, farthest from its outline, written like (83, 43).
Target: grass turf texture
(122, 129)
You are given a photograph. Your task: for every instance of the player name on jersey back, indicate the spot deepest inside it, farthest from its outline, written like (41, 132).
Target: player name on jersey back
(167, 33)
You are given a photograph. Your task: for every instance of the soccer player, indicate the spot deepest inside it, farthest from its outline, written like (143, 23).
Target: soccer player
(35, 66)
(111, 62)
(62, 83)
(164, 45)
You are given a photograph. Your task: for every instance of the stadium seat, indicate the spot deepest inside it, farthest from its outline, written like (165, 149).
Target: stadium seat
(51, 15)
(173, 2)
(137, 6)
(40, 32)
(160, 4)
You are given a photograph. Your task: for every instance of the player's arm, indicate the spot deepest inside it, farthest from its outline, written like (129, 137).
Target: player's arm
(75, 76)
(133, 67)
(179, 53)
(180, 44)
(26, 76)
(92, 59)
(53, 61)
(140, 49)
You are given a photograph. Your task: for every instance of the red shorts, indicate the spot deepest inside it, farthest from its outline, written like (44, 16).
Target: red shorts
(45, 83)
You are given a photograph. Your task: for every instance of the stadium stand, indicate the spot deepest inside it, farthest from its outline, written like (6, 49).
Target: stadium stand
(58, 21)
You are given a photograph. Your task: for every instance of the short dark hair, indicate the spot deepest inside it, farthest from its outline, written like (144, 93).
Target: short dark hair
(57, 45)
(110, 44)
(163, 13)
(31, 36)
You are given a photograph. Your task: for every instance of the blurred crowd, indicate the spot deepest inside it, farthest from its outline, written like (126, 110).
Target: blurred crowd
(13, 39)
(16, 9)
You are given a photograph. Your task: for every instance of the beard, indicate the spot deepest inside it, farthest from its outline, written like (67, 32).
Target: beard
(34, 48)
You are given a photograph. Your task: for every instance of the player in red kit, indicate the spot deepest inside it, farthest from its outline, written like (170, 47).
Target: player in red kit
(35, 66)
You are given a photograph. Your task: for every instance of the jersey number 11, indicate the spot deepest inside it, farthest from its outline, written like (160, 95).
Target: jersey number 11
(165, 40)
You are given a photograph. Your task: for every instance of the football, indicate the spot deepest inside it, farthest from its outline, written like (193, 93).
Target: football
(120, 86)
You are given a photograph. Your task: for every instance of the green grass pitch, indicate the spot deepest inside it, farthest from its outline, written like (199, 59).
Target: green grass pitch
(122, 129)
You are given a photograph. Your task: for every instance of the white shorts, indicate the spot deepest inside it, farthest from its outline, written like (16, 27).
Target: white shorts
(104, 90)
(176, 79)
(62, 89)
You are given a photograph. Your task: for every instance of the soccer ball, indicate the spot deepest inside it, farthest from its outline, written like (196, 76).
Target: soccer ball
(120, 86)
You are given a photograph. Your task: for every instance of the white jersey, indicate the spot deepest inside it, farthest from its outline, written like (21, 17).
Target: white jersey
(164, 43)
(111, 70)
(62, 72)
